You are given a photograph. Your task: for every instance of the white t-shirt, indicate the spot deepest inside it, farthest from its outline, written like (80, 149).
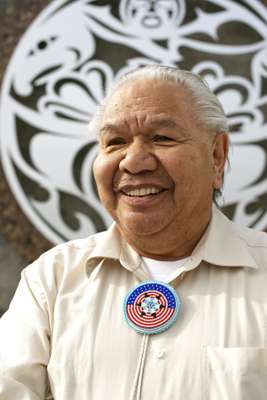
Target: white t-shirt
(162, 270)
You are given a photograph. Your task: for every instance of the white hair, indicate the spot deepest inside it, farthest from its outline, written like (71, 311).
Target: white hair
(208, 109)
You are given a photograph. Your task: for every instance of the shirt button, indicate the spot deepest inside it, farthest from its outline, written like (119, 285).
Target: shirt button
(161, 354)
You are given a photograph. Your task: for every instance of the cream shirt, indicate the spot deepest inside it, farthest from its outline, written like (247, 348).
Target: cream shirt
(65, 329)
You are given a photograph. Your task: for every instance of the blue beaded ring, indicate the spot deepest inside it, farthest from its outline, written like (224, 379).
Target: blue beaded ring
(151, 307)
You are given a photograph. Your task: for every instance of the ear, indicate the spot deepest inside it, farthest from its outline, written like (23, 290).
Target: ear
(220, 152)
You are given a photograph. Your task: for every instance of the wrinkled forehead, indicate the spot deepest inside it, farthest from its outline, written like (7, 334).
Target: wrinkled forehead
(142, 103)
(147, 93)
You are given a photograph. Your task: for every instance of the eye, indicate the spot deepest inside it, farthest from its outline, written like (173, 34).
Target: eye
(162, 139)
(116, 141)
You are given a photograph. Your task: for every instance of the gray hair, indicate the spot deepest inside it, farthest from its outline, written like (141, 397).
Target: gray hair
(208, 109)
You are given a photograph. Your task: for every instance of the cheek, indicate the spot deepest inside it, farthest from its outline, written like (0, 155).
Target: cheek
(104, 170)
(188, 170)
(179, 166)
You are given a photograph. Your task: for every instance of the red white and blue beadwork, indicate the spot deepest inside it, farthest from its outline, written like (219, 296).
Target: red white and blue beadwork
(151, 307)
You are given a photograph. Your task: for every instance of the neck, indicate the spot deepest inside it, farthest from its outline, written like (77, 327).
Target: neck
(179, 242)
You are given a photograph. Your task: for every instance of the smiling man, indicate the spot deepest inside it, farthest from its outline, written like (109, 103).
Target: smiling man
(158, 166)
(170, 302)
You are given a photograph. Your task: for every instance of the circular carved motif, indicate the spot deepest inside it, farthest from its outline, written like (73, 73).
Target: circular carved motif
(73, 52)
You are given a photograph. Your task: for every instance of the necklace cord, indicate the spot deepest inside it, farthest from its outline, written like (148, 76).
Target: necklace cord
(137, 385)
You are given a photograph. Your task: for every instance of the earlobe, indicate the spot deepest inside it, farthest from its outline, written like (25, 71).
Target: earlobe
(220, 152)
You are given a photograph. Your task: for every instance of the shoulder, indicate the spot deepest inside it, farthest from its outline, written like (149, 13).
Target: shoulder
(256, 244)
(229, 243)
(251, 237)
(63, 259)
(56, 272)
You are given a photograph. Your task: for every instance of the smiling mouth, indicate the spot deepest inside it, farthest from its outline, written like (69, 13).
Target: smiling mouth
(151, 21)
(142, 192)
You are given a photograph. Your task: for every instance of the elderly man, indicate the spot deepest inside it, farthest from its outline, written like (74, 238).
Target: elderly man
(170, 302)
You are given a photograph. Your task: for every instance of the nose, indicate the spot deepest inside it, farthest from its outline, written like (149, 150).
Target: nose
(138, 158)
(152, 6)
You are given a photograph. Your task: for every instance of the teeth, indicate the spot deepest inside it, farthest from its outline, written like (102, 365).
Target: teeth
(143, 191)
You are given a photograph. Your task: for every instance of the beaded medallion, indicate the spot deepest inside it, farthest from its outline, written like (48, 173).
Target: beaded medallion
(151, 307)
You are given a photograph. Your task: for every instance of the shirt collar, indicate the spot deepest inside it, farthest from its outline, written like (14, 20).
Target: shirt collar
(222, 244)
(111, 245)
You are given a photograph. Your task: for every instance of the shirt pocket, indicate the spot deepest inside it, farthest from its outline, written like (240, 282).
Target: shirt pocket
(234, 373)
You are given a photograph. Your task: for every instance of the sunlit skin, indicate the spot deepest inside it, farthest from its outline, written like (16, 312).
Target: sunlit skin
(150, 138)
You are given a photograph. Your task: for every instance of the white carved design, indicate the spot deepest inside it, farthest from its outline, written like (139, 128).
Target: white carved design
(70, 56)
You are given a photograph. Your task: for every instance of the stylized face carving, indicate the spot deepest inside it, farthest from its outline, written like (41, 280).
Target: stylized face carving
(152, 16)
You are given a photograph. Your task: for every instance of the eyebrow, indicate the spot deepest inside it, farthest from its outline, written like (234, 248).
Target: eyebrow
(109, 128)
(164, 123)
(168, 123)
(153, 123)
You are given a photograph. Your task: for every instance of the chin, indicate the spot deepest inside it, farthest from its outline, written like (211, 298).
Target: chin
(142, 228)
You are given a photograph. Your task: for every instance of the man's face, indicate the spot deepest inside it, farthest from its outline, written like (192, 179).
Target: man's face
(157, 168)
